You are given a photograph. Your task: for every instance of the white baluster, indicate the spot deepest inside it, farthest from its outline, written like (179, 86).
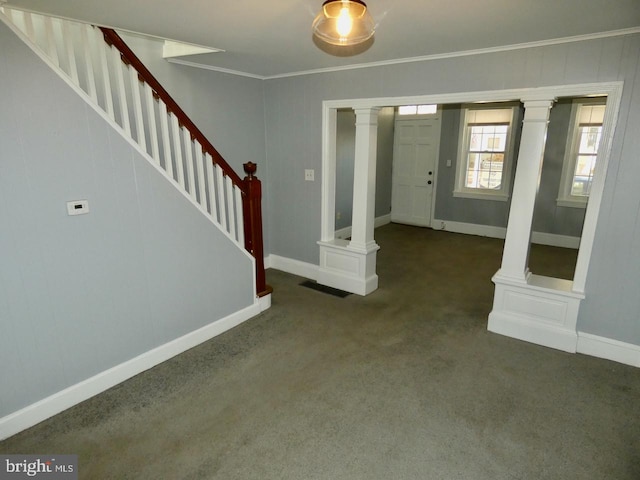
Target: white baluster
(67, 38)
(121, 92)
(137, 107)
(103, 48)
(220, 194)
(88, 58)
(166, 144)
(230, 209)
(175, 135)
(188, 149)
(52, 50)
(28, 26)
(239, 215)
(202, 200)
(213, 210)
(151, 121)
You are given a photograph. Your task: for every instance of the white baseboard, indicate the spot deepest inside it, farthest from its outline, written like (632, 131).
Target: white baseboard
(519, 327)
(555, 240)
(609, 349)
(540, 238)
(469, 228)
(64, 399)
(295, 267)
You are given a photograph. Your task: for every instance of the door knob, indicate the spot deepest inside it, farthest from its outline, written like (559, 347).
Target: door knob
(430, 173)
(429, 182)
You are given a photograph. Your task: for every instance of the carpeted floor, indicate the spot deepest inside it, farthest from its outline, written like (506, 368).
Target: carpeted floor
(403, 384)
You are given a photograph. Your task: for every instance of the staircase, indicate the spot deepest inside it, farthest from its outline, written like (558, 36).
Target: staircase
(104, 70)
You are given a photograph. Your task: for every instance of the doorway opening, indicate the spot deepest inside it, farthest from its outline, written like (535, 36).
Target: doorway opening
(348, 263)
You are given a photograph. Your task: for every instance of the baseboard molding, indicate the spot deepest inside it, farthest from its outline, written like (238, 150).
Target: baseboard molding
(64, 399)
(295, 267)
(345, 232)
(555, 240)
(609, 349)
(540, 238)
(469, 228)
(519, 327)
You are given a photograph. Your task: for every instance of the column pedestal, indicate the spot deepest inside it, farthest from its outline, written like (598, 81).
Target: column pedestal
(347, 268)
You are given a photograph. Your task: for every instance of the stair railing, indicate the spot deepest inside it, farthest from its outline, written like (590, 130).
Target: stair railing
(100, 63)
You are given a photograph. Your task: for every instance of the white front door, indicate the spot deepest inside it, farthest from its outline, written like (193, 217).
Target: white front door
(415, 158)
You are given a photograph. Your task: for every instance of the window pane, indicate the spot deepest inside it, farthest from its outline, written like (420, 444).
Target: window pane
(427, 109)
(407, 110)
(491, 170)
(473, 169)
(589, 139)
(488, 138)
(583, 176)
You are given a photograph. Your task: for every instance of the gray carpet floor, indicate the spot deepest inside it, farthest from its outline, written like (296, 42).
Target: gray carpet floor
(405, 383)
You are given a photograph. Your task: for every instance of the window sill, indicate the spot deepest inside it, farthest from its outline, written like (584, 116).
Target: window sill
(572, 203)
(496, 197)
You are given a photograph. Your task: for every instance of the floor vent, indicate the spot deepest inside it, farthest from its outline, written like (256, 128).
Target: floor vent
(324, 289)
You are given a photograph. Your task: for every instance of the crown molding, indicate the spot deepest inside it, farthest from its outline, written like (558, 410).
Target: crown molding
(215, 69)
(425, 58)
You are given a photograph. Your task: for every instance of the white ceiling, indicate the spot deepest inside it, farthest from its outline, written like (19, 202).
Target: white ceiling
(273, 37)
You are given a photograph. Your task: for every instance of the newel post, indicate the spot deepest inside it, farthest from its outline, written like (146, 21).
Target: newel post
(252, 210)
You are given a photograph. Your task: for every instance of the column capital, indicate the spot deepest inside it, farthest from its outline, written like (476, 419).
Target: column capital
(541, 101)
(537, 110)
(367, 116)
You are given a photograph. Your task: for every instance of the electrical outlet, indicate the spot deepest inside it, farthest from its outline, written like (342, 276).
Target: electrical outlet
(309, 175)
(338, 215)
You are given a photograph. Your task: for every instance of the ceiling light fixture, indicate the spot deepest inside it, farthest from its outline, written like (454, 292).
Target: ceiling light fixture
(343, 22)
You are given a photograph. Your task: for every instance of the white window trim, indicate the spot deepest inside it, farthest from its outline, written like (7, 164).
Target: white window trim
(565, 199)
(460, 190)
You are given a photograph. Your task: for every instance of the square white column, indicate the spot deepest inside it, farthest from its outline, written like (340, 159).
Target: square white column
(364, 179)
(525, 189)
(351, 266)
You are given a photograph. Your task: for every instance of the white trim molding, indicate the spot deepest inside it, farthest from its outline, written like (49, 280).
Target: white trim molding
(542, 310)
(540, 238)
(348, 268)
(292, 266)
(609, 349)
(64, 399)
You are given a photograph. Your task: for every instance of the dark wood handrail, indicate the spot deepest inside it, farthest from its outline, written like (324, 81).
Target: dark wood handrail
(112, 38)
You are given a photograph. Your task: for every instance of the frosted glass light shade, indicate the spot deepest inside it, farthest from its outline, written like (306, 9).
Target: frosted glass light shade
(343, 22)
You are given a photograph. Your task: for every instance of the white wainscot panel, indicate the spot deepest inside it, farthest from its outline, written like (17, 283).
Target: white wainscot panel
(346, 268)
(542, 311)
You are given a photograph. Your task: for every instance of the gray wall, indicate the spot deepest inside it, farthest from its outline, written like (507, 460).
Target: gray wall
(294, 133)
(345, 154)
(81, 294)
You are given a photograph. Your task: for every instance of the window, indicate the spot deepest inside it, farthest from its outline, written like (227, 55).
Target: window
(583, 141)
(484, 154)
(417, 109)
